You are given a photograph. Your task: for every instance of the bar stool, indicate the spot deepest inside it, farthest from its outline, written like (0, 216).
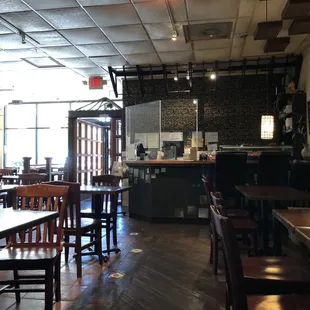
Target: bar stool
(273, 168)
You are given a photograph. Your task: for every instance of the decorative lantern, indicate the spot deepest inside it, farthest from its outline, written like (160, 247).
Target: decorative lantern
(267, 127)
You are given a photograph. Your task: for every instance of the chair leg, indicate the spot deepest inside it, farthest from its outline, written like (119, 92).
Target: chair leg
(78, 257)
(211, 250)
(49, 289)
(215, 255)
(255, 242)
(108, 237)
(57, 279)
(17, 294)
(67, 240)
(115, 230)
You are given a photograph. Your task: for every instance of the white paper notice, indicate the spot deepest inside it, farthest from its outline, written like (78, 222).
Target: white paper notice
(172, 136)
(197, 140)
(141, 137)
(211, 137)
(212, 147)
(153, 140)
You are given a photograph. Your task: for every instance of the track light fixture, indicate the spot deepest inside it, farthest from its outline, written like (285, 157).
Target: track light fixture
(174, 36)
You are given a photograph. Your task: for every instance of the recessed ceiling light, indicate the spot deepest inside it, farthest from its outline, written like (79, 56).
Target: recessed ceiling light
(176, 78)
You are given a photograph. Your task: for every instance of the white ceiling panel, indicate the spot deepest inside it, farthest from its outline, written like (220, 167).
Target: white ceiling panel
(7, 6)
(126, 33)
(177, 57)
(109, 61)
(153, 11)
(54, 4)
(212, 9)
(79, 62)
(284, 30)
(85, 36)
(68, 18)
(247, 7)
(43, 62)
(236, 53)
(295, 43)
(4, 30)
(87, 72)
(159, 31)
(15, 65)
(253, 47)
(211, 54)
(242, 25)
(98, 49)
(143, 59)
(171, 46)
(238, 42)
(12, 41)
(102, 2)
(27, 21)
(114, 15)
(63, 52)
(302, 47)
(25, 53)
(48, 38)
(4, 56)
(138, 47)
(206, 44)
(178, 10)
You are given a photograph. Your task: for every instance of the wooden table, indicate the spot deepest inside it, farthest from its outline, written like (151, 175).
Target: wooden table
(14, 221)
(295, 220)
(270, 193)
(97, 192)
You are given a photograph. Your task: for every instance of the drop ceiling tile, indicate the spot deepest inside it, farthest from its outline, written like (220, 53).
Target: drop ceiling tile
(15, 65)
(242, 25)
(219, 9)
(109, 61)
(27, 21)
(70, 18)
(139, 47)
(253, 47)
(43, 62)
(84, 36)
(12, 41)
(126, 33)
(236, 53)
(159, 31)
(79, 62)
(87, 72)
(212, 44)
(4, 30)
(8, 6)
(25, 53)
(98, 49)
(114, 15)
(143, 59)
(178, 10)
(238, 42)
(153, 11)
(48, 4)
(171, 46)
(63, 51)
(176, 57)
(247, 8)
(48, 38)
(102, 2)
(212, 54)
(4, 56)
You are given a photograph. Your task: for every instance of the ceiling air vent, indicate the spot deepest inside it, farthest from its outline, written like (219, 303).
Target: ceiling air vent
(207, 31)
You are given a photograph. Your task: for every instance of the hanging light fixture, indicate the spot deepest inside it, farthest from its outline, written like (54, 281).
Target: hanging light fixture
(267, 120)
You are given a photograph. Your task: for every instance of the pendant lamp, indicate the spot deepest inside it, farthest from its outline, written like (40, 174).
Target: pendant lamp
(267, 120)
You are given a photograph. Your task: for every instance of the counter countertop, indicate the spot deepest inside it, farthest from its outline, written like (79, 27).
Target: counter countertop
(174, 162)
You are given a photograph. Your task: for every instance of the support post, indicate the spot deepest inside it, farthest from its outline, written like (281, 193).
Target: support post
(49, 167)
(26, 164)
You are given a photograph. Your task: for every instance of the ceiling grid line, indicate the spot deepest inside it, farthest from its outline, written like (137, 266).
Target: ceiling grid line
(234, 29)
(188, 23)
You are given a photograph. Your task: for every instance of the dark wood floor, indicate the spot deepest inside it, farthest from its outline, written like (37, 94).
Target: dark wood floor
(171, 272)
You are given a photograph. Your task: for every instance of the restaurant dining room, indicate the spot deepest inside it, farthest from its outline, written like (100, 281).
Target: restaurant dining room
(154, 154)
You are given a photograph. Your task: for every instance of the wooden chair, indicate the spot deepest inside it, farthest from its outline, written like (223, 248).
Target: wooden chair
(75, 227)
(3, 196)
(32, 178)
(273, 275)
(108, 215)
(35, 249)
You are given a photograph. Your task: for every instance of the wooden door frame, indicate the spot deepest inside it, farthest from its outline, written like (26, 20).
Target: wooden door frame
(72, 135)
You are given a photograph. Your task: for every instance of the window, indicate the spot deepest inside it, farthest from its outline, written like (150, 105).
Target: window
(53, 115)
(21, 116)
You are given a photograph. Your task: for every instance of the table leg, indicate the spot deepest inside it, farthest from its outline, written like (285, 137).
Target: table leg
(264, 210)
(277, 239)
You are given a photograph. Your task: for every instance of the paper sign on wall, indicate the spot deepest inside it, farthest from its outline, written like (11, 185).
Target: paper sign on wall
(171, 136)
(197, 140)
(211, 137)
(141, 137)
(153, 140)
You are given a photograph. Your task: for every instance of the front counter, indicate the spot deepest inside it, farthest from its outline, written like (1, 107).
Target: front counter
(169, 189)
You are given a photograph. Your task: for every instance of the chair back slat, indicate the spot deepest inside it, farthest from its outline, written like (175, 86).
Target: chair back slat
(42, 197)
(6, 171)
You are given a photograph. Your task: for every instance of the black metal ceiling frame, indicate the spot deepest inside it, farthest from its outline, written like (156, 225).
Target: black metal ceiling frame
(200, 70)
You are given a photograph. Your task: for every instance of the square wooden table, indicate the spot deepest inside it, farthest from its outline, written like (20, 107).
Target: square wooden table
(14, 221)
(263, 193)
